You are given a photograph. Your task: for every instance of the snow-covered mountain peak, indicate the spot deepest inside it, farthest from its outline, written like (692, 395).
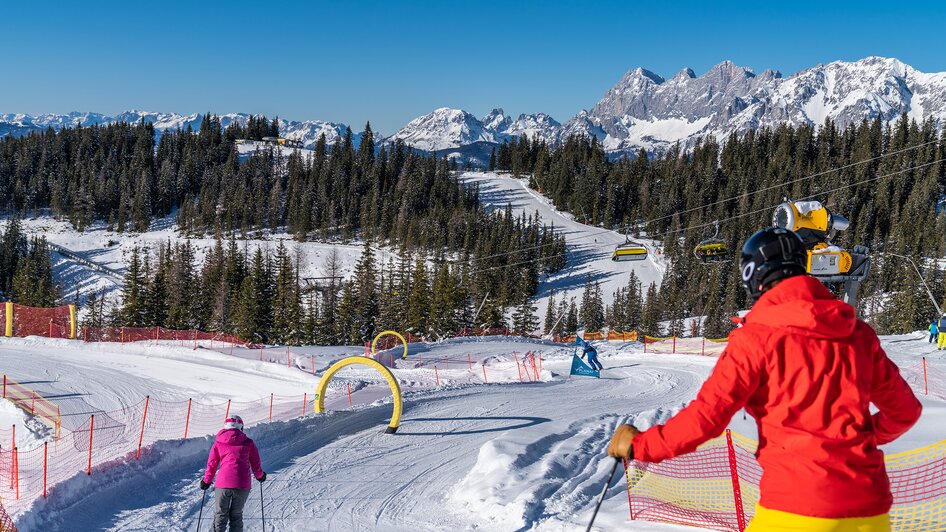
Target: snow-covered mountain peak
(496, 120)
(443, 129)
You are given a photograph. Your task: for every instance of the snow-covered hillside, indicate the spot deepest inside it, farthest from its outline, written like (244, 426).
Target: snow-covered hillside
(113, 250)
(469, 455)
(589, 248)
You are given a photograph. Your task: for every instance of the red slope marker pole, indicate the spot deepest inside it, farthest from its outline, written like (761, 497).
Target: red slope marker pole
(926, 388)
(141, 435)
(88, 471)
(187, 419)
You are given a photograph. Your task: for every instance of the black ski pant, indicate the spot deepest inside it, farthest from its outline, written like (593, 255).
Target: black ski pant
(228, 503)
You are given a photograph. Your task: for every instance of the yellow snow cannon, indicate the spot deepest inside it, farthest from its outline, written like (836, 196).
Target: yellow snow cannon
(810, 220)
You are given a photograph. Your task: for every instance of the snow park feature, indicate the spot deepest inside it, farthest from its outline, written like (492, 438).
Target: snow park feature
(374, 343)
(381, 368)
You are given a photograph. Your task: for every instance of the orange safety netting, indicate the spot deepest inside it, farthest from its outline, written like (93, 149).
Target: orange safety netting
(29, 474)
(622, 336)
(156, 334)
(481, 331)
(684, 346)
(33, 321)
(387, 342)
(717, 487)
(6, 524)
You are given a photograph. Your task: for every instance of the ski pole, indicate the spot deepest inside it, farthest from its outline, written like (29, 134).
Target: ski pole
(603, 493)
(201, 514)
(261, 512)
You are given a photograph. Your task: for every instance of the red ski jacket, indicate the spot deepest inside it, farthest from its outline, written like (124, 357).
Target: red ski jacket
(807, 370)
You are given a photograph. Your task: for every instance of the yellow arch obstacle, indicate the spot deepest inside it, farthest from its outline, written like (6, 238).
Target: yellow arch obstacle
(384, 371)
(374, 343)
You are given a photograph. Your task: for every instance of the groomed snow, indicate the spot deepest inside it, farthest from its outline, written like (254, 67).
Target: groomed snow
(468, 455)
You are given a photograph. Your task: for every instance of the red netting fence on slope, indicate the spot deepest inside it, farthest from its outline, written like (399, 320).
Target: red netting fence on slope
(156, 334)
(684, 346)
(717, 487)
(29, 474)
(51, 322)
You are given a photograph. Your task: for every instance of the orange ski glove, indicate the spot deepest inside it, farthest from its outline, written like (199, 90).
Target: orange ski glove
(620, 446)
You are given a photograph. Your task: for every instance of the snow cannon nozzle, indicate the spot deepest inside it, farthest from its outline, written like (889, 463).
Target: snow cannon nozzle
(810, 220)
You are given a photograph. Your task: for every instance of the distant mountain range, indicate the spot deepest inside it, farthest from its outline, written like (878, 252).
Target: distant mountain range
(643, 110)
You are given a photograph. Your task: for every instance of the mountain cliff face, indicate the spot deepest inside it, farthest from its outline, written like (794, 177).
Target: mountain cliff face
(643, 110)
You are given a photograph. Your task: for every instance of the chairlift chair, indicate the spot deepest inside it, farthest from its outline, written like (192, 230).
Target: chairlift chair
(629, 251)
(712, 249)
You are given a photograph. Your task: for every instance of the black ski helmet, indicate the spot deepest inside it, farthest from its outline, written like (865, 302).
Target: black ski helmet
(770, 255)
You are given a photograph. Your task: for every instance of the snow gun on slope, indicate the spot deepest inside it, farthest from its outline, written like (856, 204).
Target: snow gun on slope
(828, 263)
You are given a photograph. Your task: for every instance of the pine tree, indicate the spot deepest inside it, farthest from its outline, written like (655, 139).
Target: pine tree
(571, 319)
(131, 312)
(524, 320)
(551, 319)
(418, 312)
(366, 296)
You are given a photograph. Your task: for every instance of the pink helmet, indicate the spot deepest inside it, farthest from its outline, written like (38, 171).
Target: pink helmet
(233, 422)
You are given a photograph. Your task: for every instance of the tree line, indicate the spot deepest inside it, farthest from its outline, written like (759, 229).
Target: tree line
(261, 295)
(889, 180)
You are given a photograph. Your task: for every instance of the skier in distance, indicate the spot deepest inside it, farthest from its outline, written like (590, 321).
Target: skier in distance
(807, 370)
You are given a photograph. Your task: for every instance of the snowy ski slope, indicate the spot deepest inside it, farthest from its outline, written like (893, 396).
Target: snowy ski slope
(468, 456)
(589, 248)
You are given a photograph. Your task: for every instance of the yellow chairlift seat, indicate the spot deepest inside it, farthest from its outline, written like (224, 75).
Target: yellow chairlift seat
(629, 252)
(712, 251)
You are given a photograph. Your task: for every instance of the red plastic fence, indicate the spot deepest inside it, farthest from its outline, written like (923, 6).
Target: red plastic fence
(33, 321)
(28, 474)
(684, 346)
(717, 487)
(6, 524)
(156, 334)
(479, 331)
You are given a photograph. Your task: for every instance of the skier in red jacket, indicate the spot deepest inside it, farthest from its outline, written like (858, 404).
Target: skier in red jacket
(807, 370)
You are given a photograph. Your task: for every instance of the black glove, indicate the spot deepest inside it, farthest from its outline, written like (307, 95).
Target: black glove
(262, 478)
(204, 485)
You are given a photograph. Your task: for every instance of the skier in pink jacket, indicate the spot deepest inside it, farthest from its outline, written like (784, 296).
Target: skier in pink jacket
(235, 454)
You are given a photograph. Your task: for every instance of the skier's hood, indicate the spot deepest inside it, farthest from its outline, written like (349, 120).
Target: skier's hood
(231, 437)
(804, 305)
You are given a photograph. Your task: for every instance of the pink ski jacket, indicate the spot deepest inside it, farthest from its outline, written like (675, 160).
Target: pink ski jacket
(235, 454)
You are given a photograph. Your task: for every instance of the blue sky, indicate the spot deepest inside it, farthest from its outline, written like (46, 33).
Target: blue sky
(388, 62)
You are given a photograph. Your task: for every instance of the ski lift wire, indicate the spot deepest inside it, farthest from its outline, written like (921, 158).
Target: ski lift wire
(702, 225)
(749, 195)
